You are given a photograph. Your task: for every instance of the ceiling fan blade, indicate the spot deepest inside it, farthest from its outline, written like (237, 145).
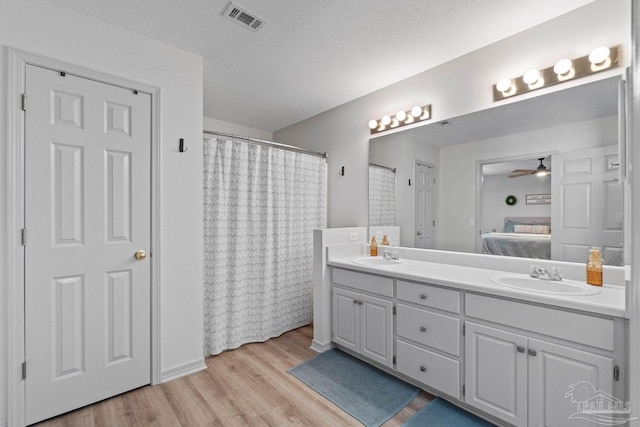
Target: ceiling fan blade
(525, 173)
(523, 170)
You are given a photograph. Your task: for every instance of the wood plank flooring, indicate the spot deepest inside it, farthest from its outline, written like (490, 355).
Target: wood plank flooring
(244, 387)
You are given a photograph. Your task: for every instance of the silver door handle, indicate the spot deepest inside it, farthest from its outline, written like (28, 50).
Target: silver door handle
(419, 233)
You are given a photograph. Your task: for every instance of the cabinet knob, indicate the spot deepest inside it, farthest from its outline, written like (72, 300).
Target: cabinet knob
(531, 352)
(423, 296)
(520, 349)
(423, 368)
(423, 329)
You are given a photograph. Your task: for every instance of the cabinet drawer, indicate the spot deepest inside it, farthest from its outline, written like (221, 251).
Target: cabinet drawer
(429, 296)
(576, 327)
(365, 282)
(434, 370)
(428, 328)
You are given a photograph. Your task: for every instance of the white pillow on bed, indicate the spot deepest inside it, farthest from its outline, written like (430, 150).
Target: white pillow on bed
(532, 229)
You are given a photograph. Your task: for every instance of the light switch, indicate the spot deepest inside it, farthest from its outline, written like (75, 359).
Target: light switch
(472, 221)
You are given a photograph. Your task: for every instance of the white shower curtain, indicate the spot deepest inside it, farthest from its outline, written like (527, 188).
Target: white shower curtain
(261, 205)
(382, 196)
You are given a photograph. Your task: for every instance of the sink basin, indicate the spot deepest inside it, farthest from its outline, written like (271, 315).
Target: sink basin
(540, 286)
(376, 261)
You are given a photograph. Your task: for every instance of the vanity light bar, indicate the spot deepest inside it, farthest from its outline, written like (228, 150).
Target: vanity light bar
(600, 59)
(401, 118)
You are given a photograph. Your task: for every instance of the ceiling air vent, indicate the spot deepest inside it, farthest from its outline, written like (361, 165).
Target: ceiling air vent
(242, 16)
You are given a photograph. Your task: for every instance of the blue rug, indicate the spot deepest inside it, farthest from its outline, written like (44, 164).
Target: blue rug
(440, 413)
(366, 393)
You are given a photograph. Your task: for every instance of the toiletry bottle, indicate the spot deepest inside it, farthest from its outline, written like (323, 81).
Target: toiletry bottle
(374, 246)
(594, 268)
(384, 240)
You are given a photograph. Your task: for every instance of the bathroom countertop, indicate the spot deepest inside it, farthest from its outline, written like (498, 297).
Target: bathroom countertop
(610, 301)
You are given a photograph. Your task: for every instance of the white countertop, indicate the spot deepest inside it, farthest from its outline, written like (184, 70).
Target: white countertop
(610, 301)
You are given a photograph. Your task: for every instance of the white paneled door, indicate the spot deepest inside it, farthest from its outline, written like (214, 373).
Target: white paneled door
(87, 219)
(424, 205)
(587, 207)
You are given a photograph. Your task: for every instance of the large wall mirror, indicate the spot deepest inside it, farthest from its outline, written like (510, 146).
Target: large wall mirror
(537, 178)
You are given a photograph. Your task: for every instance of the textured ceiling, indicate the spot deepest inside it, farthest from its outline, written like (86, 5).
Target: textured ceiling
(315, 55)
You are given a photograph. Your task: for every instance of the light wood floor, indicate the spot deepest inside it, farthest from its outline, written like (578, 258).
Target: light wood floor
(244, 387)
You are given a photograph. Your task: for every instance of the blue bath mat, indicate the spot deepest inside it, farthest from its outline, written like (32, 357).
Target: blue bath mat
(366, 393)
(440, 413)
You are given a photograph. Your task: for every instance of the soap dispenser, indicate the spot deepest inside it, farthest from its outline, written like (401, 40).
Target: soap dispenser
(384, 240)
(374, 246)
(594, 268)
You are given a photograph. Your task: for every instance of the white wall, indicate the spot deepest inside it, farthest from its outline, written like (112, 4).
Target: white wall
(236, 129)
(496, 188)
(458, 87)
(51, 30)
(458, 163)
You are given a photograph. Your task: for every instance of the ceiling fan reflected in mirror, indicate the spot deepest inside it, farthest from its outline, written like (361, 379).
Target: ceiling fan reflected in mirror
(541, 170)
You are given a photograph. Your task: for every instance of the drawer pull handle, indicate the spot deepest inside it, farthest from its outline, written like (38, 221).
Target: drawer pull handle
(423, 368)
(423, 329)
(423, 296)
(520, 349)
(531, 352)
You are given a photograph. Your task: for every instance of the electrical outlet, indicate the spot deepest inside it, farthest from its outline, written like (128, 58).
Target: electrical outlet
(353, 237)
(472, 221)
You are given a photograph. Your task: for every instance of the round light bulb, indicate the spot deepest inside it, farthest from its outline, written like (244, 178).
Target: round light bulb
(563, 66)
(531, 76)
(599, 55)
(373, 124)
(401, 116)
(385, 120)
(416, 111)
(503, 85)
(394, 123)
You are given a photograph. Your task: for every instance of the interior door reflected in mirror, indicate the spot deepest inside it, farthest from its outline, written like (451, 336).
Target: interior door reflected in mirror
(480, 159)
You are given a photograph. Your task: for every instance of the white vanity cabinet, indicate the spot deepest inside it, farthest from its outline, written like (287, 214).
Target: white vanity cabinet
(363, 322)
(511, 359)
(526, 380)
(428, 341)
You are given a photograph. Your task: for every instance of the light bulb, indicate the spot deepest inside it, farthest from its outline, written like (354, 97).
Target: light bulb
(416, 111)
(373, 124)
(531, 76)
(563, 66)
(503, 85)
(385, 120)
(401, 116)
(394, 123)
(599, 55)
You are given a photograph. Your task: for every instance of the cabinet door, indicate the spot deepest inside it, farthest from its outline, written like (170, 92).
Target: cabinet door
(560, 379)
(496, 372)
(376, 339)
(346, 319)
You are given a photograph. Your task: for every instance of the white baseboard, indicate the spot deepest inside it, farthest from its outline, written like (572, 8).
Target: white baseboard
(181, 371)
(320, 347)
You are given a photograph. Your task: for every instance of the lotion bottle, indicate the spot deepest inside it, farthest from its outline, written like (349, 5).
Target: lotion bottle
(385, 241)
(374, 246)
(594, 268)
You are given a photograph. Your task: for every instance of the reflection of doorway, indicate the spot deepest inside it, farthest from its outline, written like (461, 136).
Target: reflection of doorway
(516, 177)
(424, 205)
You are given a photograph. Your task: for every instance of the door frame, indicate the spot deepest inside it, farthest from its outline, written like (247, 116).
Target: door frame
(479, 177)
(15, 275)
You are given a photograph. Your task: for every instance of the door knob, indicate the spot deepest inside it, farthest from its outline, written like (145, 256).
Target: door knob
(140, 255)
(419, 233)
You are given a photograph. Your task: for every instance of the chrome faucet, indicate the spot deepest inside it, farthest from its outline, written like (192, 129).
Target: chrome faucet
(538, 272)
(390, 255)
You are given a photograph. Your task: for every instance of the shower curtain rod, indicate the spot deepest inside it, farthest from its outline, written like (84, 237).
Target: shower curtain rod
(383, 167)
(270, 143)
